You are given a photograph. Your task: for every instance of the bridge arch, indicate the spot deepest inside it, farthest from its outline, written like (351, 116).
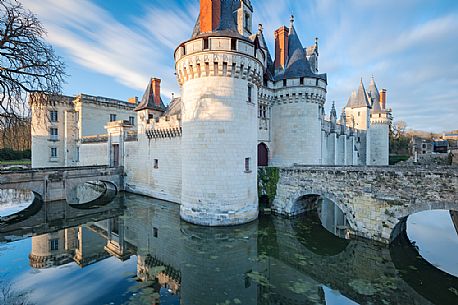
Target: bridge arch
(304, 200)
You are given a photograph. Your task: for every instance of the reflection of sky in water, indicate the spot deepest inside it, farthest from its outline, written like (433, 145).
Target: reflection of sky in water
(105, 282)
(8, 209)
(436, 237)
(335, 298)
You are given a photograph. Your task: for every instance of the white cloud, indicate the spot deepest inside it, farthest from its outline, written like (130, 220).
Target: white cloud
(95, 40)
(408, 45)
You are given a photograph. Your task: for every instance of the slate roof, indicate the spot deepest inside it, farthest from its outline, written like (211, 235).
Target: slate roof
(373, 91)
(297, 66)
(376, 108)
(270, 71)
(228, 24)
(147, 101)
(175, 107)
(359, 99)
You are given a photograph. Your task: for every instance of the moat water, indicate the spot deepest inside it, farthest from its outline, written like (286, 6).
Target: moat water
(136, 250)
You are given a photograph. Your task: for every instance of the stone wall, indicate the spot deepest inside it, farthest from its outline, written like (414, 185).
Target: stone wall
(93, 154)
(142, 177)
(374, 199)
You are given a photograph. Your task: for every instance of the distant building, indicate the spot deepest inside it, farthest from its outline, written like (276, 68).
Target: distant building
(420, 146)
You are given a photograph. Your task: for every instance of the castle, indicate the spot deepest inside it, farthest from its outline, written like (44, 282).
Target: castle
(238, 109)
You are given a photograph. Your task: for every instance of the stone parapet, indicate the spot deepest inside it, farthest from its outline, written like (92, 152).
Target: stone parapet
(220, 63)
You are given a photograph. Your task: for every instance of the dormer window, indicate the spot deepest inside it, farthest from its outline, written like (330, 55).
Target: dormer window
(247, 22)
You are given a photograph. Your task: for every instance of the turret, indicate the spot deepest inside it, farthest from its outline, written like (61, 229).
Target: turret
(219, 74)
(379, 128)
(358, 108)
(301, 94)
(333, 117)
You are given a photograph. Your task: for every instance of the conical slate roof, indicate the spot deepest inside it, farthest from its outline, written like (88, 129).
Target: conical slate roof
(373, 91)
(359, 99)
(297, 66)
(270, 71)
(376, 108)
(147, 101)
(227, 25)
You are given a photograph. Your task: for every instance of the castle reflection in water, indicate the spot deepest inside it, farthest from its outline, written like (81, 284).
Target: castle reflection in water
(270, 261)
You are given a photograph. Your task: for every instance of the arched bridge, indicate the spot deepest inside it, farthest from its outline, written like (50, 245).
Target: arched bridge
(373, 199)
(54, 184)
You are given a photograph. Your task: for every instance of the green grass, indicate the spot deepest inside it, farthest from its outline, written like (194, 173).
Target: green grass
(16, 162)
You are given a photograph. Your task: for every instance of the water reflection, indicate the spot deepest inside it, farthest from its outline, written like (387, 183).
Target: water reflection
(14, 201)
(144, 254)
(434, 233)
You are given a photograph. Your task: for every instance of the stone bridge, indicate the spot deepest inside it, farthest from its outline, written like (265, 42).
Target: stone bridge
(374, 200)
(54, 184)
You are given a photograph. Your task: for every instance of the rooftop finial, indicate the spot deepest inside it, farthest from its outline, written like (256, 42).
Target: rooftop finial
(292, 20)
(260, 28)
(316, 41)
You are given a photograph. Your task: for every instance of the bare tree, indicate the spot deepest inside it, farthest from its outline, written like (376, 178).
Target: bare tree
(399, 129)
(10, 296)
(28, 65)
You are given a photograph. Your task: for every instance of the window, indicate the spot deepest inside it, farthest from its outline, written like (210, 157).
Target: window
(155, 232)
(206, 45)
(54, 245)
(247, 22)
(247, 165)
(112, 117)
(250, 94)
(156, 163)
(233, 44)
(262, 111)
(77, 155)
(53, 116)
(301, 80)
(359, 113)
(132, 120)
(284, 83)
(53, 152)
(54, 134)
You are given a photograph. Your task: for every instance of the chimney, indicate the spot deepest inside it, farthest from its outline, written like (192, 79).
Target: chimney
(383, 99)
(210, 15)
(133, 100)
(281, 47)
(156, 84)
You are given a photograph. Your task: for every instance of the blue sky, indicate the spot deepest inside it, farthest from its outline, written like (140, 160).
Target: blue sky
(112, 48)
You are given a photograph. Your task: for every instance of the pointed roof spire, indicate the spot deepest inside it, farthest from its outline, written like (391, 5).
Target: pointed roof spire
(359, 99)
(151, 98)
(373, 91)
(333, 110)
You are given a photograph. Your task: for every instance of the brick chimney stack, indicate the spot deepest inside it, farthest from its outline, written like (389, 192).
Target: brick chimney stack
(383, 99)
(281, 47)
(156, 85)
(210, 15)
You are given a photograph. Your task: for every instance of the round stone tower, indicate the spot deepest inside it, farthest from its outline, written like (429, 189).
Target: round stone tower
(220, 71)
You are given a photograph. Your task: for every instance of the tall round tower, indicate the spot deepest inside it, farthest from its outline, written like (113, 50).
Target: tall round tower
(220, 71)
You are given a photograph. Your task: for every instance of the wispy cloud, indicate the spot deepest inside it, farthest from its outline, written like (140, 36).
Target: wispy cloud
(409, 46)
(98, 42)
